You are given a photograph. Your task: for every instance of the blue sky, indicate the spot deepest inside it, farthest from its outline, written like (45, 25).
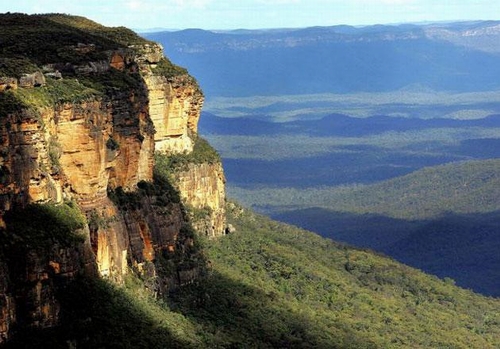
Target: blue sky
(253, 14)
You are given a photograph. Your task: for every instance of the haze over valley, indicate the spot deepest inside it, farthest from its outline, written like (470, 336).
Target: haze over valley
(366, 135)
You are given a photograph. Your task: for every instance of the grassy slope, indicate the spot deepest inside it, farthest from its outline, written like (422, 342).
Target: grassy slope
(462, 187)
(276, 286)
(467, 187)
(340, 296)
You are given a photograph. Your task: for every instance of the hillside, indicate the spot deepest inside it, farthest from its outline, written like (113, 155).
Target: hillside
(115, 231)
(339, 59)
(271, 285)
(444, 219)
(396, 172)
(466, 187)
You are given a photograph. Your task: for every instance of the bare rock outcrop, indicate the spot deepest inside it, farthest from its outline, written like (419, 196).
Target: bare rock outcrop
(202, 187)
(35, 79)
(85, 131)
(80, 122)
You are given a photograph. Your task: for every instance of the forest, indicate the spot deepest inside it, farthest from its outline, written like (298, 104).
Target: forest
(382, 136)
(272, 285)
(420, 185)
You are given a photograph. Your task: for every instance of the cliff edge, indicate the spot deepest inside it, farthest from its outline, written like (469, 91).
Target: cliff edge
(87, 113)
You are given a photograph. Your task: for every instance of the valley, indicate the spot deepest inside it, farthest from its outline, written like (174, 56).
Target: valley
(423, 190)
(383, 137)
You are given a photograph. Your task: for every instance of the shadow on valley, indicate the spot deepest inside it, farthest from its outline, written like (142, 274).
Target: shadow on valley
(217, 312)
(310, 155)
(332, 125)
(238, 315)
(353, 164)
(461, 247)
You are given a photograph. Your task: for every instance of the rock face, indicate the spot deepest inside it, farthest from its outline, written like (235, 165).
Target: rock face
(65, 153)
(32, 299)
(174, 106)
(32, 80)
(86, 132)
(202, 187)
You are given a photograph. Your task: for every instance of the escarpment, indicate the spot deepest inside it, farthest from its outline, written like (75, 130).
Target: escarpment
(202, 187)
(87, 122)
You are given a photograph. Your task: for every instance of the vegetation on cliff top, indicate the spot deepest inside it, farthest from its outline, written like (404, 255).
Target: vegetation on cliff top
(121, 35)
(31, 41)
(57, 38)
(70, 45)
(166, 68)
(53, 93)
(42, 226)
(202, 153)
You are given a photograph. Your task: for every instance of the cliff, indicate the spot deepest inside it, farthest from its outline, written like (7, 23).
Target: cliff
(202, 186)
(83, 110)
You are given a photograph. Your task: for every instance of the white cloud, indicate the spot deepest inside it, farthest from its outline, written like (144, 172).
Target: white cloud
(134, 4)
(193, 3)
(279, 2)
(388, 2)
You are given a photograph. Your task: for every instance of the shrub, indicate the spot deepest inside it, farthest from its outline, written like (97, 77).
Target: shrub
(125, 200)
(55, 152)
(168, 69)
(112, 144)
(10, 104)
(202, 153)
(39, 225)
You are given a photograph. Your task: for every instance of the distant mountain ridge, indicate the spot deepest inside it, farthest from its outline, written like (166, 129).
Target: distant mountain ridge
(459, 56)
(334, 125)
(199, 40)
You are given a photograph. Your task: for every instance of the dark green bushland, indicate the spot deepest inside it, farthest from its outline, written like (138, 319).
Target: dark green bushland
(43, 225)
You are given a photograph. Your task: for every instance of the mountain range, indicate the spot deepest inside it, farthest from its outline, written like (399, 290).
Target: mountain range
(459, 56)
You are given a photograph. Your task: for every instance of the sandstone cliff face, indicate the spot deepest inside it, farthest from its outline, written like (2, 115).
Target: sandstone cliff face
(95, 145)
(7, 302)
(76, 150)
(174, 105)
(32, 299)
(202, 187)
(153, 235)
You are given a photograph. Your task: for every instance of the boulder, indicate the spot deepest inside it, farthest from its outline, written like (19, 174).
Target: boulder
(35, 79)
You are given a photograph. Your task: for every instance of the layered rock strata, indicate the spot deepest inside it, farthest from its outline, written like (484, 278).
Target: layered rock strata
(202, 187)
(86, 132)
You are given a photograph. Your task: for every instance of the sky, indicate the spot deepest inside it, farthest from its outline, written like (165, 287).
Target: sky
(259, 14)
